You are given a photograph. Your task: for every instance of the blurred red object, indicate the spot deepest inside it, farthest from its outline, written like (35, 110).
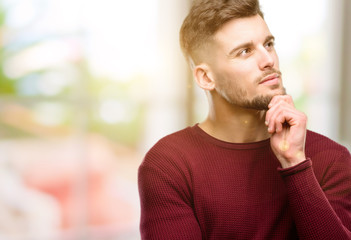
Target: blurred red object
(84, 179)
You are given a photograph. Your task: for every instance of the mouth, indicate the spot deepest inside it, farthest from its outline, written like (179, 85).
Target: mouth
(271, 79)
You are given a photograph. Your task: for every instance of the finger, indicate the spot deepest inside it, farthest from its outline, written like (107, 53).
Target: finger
(281, 98)
(278, 98)
(286, 115)
(269, 113)
(276, 120)
(279, 115)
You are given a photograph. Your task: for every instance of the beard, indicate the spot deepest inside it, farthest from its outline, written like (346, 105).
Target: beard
(259, 102)
(238, 96)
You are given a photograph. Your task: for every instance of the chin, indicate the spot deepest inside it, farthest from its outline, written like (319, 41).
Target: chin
(261, 102)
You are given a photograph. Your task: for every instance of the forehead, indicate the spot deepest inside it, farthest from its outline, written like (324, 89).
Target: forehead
(238, 31)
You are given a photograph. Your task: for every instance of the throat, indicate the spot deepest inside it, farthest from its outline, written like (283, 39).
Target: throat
(237, 129)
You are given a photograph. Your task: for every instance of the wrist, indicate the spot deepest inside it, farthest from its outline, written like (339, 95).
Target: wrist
(293, 160)
(290, 164)
(295, 169)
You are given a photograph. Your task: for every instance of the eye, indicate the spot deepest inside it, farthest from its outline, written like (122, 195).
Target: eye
(244, 52)
(270, 44)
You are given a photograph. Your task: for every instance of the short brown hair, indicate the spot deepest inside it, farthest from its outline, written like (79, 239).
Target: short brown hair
(207, 16)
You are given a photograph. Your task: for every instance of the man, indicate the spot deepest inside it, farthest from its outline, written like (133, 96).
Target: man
(251, 170)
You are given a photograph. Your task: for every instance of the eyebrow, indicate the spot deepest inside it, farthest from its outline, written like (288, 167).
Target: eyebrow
(249, 44)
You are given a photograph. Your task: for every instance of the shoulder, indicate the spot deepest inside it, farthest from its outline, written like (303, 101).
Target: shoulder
(170, 150)
(175, 141)
(325, 151)
(168, 160)
(316, 142)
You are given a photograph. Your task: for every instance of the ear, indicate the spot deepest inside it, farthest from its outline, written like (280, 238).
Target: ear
(203, 77)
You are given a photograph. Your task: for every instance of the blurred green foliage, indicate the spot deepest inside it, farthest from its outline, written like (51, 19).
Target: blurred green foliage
(7, 86)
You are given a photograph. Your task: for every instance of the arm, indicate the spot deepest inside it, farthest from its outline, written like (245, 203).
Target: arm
(320, 212)
(288, 127)
(166, 205)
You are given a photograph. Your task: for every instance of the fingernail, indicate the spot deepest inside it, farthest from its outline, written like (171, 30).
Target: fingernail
(266, 122)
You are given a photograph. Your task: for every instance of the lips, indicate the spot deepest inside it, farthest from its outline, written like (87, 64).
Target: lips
(270, 79)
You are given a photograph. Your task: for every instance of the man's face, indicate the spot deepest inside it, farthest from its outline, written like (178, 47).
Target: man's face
(245, 65)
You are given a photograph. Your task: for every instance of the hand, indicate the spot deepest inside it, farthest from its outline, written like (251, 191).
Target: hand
(288, 128)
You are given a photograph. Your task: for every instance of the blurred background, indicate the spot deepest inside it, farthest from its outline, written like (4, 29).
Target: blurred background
(88, 86)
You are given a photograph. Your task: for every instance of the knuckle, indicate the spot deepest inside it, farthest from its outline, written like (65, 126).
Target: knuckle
(289, 97)
(305, 118)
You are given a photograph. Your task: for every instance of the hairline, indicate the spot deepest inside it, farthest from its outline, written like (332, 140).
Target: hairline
(192, 54)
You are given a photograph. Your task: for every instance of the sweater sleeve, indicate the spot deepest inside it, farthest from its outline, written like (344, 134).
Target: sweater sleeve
(320, 210)
(166, 205)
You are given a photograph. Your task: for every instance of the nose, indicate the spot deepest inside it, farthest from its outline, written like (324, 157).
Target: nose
(266, 59)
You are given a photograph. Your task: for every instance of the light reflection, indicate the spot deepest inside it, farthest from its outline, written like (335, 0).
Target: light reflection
(41, 56)
(50, 114)
(114, 111)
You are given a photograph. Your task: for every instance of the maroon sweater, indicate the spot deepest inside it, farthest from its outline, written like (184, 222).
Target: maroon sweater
(193, 186)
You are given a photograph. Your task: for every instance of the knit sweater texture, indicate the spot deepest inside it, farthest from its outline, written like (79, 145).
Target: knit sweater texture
(194, 186)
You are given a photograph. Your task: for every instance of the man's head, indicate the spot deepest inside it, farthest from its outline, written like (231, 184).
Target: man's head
(206, 17)
(232, 52)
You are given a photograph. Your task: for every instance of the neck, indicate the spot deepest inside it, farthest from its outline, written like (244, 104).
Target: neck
(235, 124)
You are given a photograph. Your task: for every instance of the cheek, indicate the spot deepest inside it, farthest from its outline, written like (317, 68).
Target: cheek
(237, 71)
(243, 76)
(239, 74)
